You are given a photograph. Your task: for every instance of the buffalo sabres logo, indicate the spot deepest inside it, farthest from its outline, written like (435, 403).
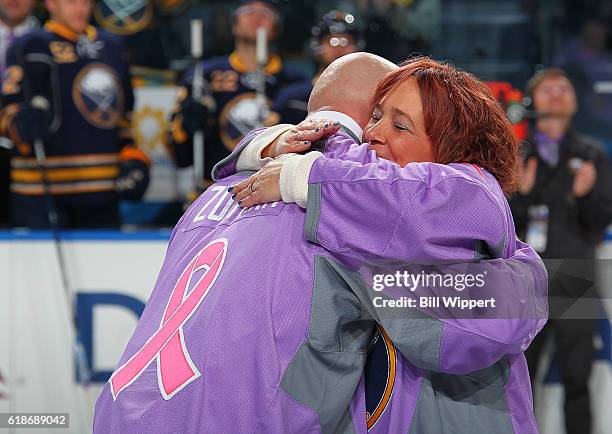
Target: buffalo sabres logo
(98, 95)
(243, 114)
(124, 17)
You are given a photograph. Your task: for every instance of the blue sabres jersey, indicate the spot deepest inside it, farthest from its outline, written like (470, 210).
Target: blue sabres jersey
(237, 110)
(86, 80)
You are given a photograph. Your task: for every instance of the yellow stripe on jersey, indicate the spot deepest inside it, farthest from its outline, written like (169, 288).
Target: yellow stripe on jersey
(70, 188)
(63, 31)
(274, 65)
(67, 161)
(66, 174)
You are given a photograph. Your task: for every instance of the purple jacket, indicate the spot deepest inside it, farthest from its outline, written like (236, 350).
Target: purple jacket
(329, 190)
(252, 328)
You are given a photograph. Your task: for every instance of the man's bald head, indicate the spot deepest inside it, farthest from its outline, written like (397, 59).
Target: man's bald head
(347, 85)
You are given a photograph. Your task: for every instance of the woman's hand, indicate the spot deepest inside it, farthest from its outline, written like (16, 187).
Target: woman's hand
(262, 187)
(301, 137)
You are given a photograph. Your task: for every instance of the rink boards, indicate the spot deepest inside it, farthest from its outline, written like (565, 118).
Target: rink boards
(112, 274)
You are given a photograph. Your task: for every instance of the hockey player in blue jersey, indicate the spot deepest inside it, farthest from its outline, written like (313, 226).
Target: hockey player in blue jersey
(80, 79)
(231, 108)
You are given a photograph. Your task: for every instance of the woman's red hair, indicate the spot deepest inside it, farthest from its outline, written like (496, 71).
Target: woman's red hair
(463, 120)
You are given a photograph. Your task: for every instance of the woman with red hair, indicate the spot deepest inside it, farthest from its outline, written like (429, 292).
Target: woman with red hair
(429, 185)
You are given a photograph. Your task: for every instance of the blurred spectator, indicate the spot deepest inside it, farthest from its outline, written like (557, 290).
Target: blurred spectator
(230, 107)
(336, 34)
(589, 66)
(15, 20)
(562, 210)
(81, 82)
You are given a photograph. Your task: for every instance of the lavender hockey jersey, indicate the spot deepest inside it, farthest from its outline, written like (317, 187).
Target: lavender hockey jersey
(261, 318)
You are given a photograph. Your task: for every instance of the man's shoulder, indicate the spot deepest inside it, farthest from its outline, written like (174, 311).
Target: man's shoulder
(207, 67)
(342, 136)
(342, 146)
(34, 41)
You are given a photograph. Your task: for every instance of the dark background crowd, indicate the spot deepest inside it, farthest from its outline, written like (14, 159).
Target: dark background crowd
(498, 41)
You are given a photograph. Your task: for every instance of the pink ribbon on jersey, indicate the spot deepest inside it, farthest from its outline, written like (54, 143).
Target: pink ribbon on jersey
(174, 366)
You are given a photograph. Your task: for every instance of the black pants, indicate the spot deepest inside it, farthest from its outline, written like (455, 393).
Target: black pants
(574, 343)
(87, 211)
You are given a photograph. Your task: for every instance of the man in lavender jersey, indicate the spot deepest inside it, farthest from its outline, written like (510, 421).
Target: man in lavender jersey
(254, 329)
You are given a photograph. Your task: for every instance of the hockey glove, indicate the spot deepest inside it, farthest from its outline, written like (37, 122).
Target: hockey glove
(133, 179)
(194, 115)
(31, 124)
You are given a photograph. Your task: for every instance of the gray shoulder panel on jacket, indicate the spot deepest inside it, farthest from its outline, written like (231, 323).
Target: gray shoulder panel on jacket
(313, 213)
(325, 372)
(325, 383)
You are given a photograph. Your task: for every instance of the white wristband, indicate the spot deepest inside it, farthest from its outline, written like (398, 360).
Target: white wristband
(250, 157)
(294, 177)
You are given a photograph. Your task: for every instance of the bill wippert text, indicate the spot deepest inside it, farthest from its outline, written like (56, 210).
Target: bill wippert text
(433, 302)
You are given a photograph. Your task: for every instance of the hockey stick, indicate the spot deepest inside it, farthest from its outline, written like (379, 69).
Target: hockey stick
(261, 56)
(197, 91)
(42, 103)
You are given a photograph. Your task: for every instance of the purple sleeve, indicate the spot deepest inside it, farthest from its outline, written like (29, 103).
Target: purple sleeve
(422, 212)
(451, 339)
(429, 213)
(519, 286)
